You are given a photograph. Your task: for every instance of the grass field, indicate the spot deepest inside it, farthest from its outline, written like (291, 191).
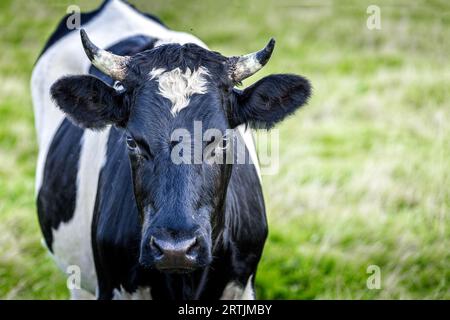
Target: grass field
(364, 173)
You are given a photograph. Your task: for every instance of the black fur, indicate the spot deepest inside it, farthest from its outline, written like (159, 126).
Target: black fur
(116, 228)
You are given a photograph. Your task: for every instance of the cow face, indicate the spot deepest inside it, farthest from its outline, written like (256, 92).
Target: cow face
(174, 97)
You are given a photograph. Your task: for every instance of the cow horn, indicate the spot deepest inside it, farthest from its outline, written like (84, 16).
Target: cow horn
(244, 66)
(110, 64)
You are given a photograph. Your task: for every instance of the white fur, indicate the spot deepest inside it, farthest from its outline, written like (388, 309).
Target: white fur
(247, 135)
(248, 293)
(72, 240)
(141, 293)
(235, 291)
(178, 86)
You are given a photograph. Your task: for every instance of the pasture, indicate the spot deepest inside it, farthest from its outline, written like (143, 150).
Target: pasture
(364, 175)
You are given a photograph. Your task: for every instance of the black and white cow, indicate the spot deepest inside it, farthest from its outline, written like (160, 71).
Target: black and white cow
(110, 198)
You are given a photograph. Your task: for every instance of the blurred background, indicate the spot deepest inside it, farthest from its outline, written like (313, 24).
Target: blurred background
(364, 173)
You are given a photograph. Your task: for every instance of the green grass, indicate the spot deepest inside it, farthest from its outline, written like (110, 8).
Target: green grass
(364, 172)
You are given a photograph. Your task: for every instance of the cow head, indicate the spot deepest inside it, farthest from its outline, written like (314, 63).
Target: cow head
(168, 89)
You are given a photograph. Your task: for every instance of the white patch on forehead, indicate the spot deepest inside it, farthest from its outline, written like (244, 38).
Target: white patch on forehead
(178, 86)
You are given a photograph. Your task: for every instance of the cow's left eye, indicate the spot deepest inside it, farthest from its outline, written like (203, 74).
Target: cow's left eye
(131, 144)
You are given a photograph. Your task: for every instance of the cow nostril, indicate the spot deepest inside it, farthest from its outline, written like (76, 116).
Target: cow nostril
(192, 247)
(154, 245)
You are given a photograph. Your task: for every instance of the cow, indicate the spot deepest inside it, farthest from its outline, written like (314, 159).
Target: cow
(112, 203)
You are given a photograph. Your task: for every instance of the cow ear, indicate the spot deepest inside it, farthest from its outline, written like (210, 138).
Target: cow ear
(89, 102)
(269, 101)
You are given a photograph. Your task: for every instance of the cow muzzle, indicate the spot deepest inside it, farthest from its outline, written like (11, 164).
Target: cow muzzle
(175, 255)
